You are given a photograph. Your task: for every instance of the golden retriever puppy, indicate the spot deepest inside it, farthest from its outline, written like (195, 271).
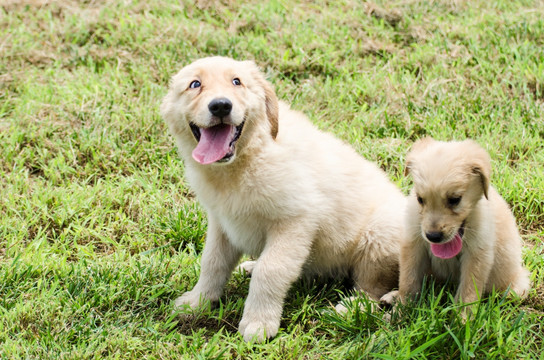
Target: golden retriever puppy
(458, 226)
(276, 188)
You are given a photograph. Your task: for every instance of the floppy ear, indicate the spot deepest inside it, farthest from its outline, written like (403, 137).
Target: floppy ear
(480, 165)
(418, 147)
(271, 100)
(272, 108)
(484, 178)
(408, 167)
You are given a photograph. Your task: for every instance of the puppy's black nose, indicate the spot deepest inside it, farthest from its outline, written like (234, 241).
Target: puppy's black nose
(434, 236)
(220, 107)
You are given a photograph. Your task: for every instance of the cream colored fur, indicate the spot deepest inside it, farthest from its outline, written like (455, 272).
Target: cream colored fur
(297, 198)
(491, 253)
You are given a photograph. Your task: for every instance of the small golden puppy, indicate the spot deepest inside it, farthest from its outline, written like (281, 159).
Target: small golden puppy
(277, 188)
(458, 226)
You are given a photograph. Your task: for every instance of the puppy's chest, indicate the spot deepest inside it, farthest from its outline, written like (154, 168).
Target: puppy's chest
(247, 233)
(243, 218)
(246, 210)
(445, 269)
(246, 219)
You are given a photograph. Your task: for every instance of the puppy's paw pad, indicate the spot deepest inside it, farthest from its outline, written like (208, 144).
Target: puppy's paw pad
(247, 267)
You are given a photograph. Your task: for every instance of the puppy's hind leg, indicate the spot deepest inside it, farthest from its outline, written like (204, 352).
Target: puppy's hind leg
(374, 281)
(375, 265)
(376, 276)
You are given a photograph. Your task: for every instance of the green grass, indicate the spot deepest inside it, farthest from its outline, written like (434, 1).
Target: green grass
(99, 232)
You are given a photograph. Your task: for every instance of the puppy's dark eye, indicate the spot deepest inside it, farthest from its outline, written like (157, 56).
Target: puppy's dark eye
(195, 84)
(454, 200)
(420, 200)
(236, 81)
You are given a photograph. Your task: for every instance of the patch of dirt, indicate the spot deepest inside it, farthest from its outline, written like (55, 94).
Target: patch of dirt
(375, 47)
(534, 227)
(297, 72)
(188, 323)
(59, 6)
(536, 88)
(535, 302)
(392, 17)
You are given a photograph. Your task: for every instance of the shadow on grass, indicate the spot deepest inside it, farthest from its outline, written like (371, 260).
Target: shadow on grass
(304, 304)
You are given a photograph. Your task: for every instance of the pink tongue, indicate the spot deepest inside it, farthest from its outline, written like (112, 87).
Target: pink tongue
(214, 143)
(449, 249)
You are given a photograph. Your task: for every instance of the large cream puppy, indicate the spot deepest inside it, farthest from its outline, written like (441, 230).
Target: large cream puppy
(458, 226)
(276, 188)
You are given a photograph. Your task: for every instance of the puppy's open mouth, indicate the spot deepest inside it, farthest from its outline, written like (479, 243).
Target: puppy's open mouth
(216, 143)
(451, 248)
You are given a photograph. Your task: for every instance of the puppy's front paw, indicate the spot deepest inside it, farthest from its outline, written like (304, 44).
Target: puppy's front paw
(258, 330)
(391, 298)
(191, 300)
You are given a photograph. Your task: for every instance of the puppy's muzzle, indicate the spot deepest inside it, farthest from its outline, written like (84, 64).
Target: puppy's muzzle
(220, 107)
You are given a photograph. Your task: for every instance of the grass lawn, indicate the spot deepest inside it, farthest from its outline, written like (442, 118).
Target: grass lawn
(99, 233)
